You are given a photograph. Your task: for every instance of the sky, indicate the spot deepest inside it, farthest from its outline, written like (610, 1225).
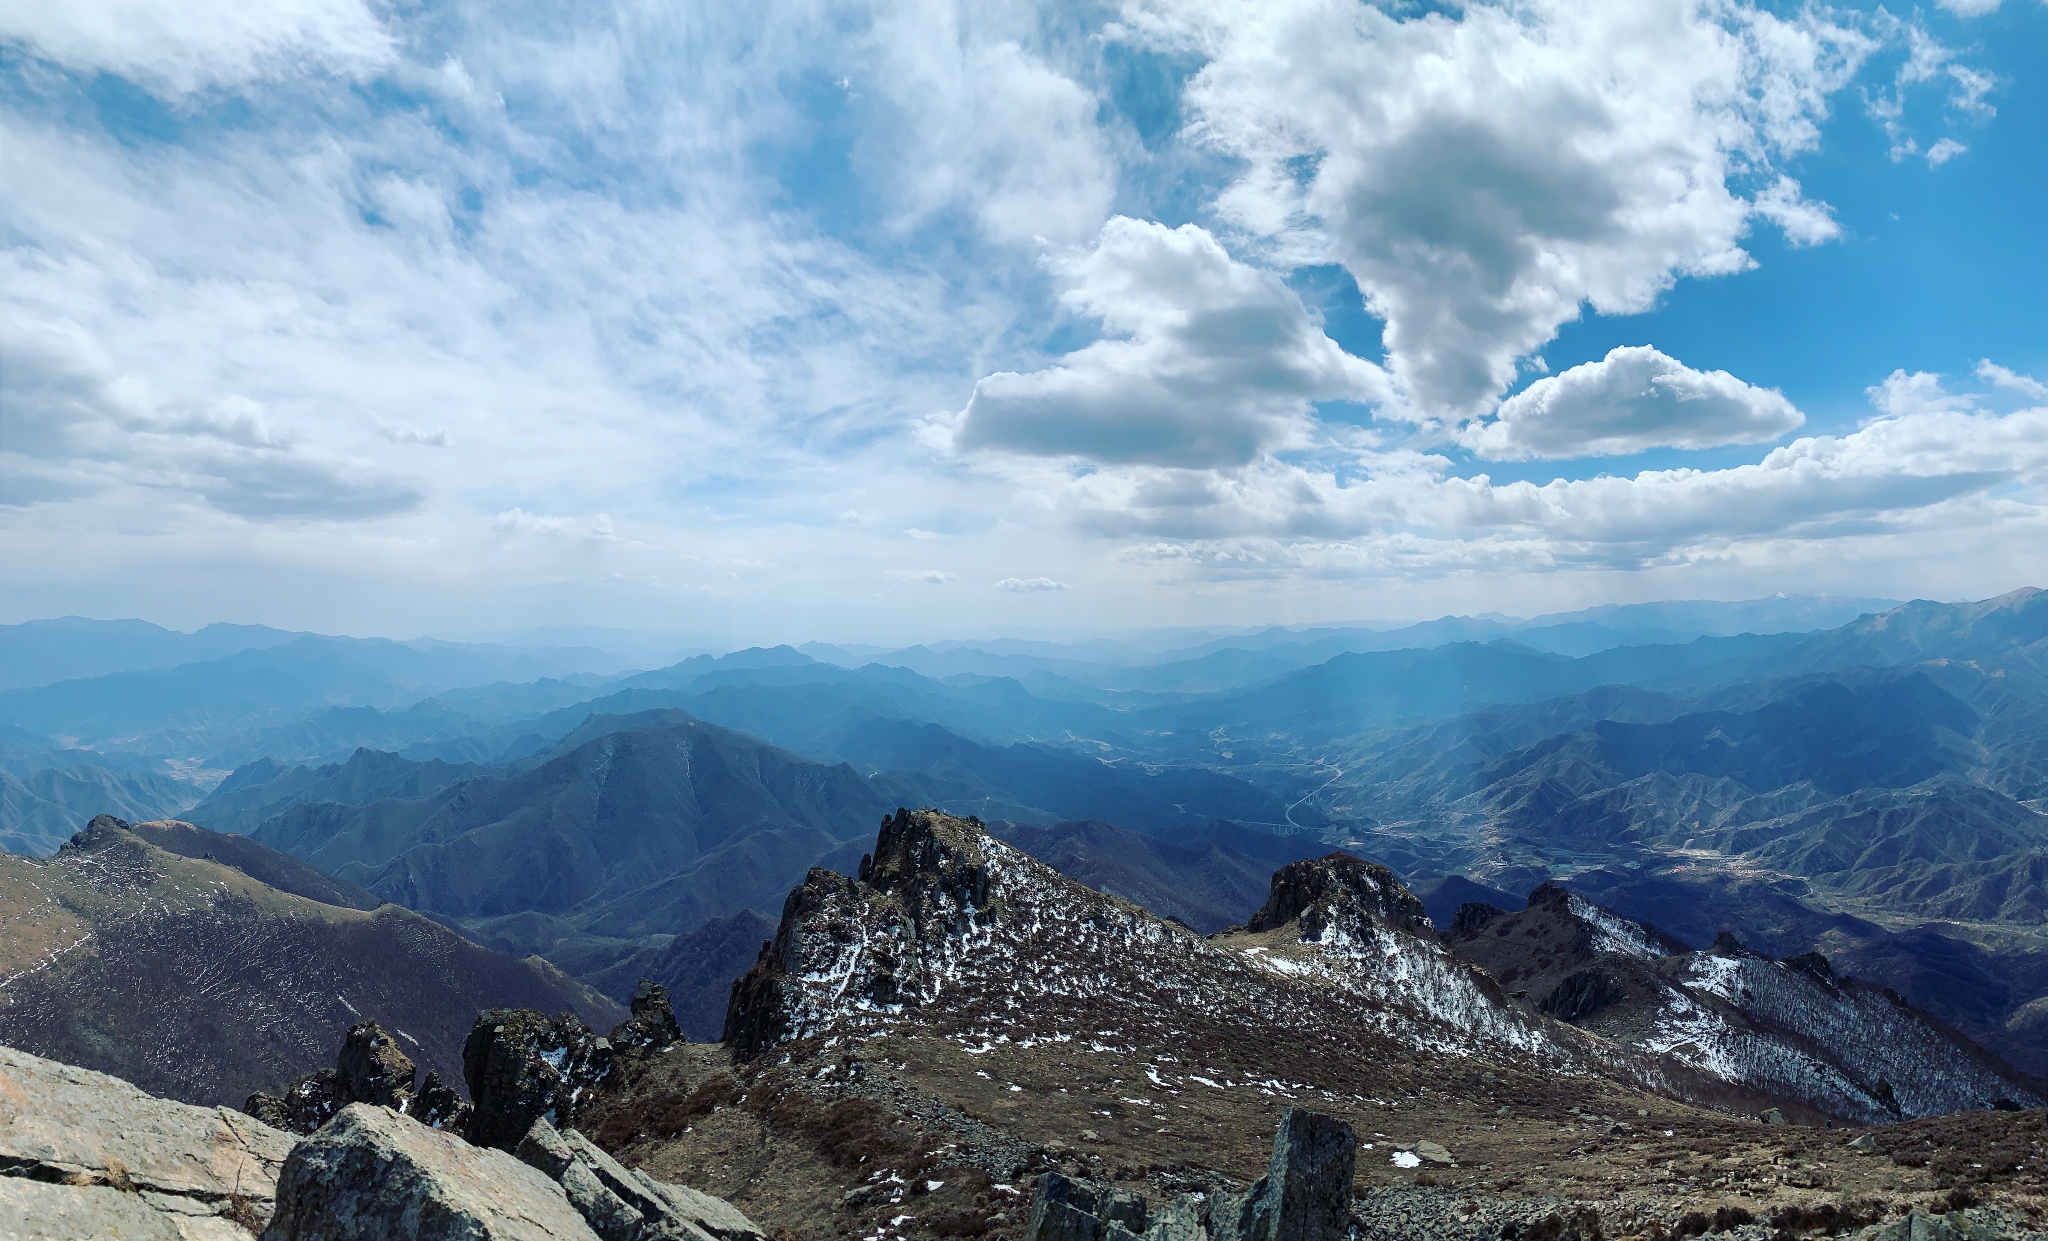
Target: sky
(890, 321)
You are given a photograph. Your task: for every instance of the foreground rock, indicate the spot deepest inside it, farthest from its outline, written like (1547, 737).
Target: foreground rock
(371, 1174)
(1304, 1196)
(629, 1205)
(87, 1155)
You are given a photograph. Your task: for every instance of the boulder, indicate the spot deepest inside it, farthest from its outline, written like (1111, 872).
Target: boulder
(90, 1155)
(372, 1174)
(522, 1066)
(1064, 1209)
(1306, 1192)
(1304, 1196)
(622, 1204)
(1430, 1152)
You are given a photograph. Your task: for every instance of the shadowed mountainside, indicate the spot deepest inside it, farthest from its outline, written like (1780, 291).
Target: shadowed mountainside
(195, 980)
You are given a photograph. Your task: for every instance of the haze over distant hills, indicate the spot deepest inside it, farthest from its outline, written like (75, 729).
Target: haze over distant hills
(1808, 773)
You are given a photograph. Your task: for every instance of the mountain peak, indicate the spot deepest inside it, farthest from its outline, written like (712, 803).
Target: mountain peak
(1315, 891)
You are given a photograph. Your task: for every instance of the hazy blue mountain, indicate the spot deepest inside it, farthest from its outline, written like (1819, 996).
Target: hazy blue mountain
(155, 707)
(40, 811)
(650, 830)
(23, 752)
(262, 789)
(70, 647)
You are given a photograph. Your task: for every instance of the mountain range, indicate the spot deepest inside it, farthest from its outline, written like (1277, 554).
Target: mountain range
(1871, 789)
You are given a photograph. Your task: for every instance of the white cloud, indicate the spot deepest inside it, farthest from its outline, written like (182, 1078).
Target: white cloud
(915, 533)
(1904, 396)
(986, 125)
(1944, 151)
(1029, 585)
(596, 527)
(1803, 223)
(1483, 178)
(77, 429)
(175, 47)
(1634, 398)
(1210, 362)
(1932, 460)
(924, 577)
(2007, 378)
(1970, 8)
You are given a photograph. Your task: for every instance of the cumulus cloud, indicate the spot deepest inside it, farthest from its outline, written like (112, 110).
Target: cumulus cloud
(175, 47)
(1904, 396)
(1209, 362)
(1029, 585)
(1634, 398)
(1931, 456)
(925, 577)
(1484, 177)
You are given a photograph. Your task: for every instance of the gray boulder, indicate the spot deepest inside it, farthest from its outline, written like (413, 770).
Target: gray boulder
(623, 1204)
(1065, 1209)
(90, 1155)
(1304, 1196)
(372, 1174)
(1306, 1192)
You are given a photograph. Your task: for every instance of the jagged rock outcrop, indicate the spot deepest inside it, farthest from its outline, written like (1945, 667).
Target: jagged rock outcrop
(1306, 1192)
(87, 1155)
(371, 1068)
(932, 873)
(521, 1066)
(1304, 1196)
(1316, 890)
(372, 1174)
(622, 1204)
(653, 1023)
(1582, 994)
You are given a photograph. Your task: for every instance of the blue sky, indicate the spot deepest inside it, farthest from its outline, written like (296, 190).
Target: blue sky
(882, 321)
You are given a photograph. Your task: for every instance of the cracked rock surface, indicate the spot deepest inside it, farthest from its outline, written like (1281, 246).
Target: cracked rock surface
(83, 1154)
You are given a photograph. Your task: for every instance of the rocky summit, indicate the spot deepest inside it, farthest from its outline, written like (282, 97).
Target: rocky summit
(956, 1040)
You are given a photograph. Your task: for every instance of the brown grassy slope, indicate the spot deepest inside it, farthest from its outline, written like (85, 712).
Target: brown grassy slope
(197, 982)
